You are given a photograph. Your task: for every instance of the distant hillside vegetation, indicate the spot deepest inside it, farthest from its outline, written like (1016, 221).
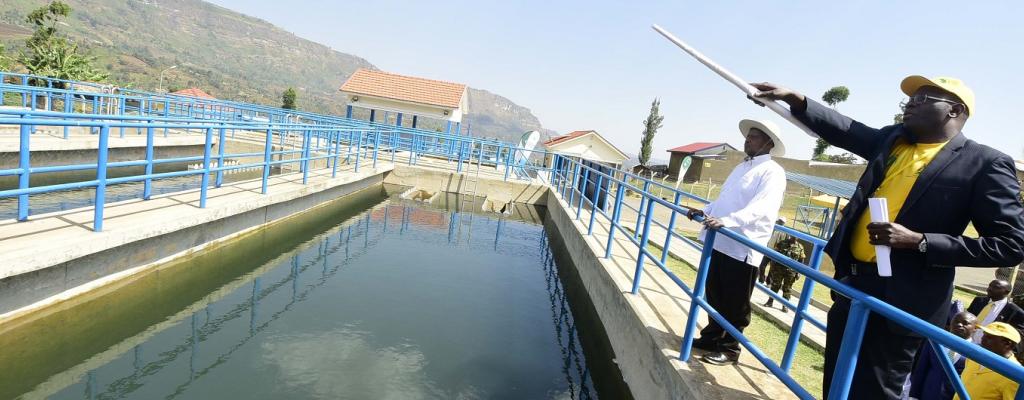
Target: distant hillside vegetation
(229, 55)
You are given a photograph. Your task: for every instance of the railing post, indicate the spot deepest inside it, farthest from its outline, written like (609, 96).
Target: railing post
(147, 185)
(307, 141)
(572, 188)
(950, 370)
(642, 251)
(68, 107)
(639, 210)
(101, 178)
(359, 148)
(337, 153)
(698, 292)
(616, 213)
(593, 204)
(206, 168)
(849, 350)
(24, 158)
(120, 111)
(376, 141)
(671, 228)
(583, 193)
(220, 157)
(801, 308)
(268, 145)
(556, 165)
(508, 160)
(458, 165)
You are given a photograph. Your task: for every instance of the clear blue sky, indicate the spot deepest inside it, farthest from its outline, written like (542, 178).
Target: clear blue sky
(597, 65)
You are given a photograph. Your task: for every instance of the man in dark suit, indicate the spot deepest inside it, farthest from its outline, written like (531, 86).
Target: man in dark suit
(936, 181)
(996, 307)
(929, 381)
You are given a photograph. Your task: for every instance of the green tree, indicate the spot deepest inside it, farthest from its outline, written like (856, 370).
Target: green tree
(45, 19)
(898, 118)
(54, 55)
(288, 99)
(832, 97)
(651, 126)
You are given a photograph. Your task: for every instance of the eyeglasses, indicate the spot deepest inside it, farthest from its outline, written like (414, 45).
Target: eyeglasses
(922, 98)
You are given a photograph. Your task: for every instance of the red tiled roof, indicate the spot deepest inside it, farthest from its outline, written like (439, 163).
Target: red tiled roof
(571, 135)
(695, 147)
(194, 92)
(405, 88)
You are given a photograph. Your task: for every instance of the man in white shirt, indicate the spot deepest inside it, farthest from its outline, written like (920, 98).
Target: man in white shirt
(748, 204)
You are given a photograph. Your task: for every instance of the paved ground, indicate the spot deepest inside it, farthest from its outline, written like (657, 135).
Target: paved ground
(663, 307)
(810, 334)
(52, 139)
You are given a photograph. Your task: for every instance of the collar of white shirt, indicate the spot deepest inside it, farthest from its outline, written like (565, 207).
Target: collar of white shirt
(757, 160)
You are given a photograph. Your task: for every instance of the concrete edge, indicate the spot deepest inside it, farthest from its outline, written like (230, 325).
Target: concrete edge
(27, 260)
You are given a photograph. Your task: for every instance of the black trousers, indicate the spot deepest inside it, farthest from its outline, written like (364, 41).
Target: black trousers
(729, 285)
(885, 357)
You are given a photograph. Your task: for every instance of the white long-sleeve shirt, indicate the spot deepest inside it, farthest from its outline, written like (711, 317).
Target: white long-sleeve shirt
(748, 204)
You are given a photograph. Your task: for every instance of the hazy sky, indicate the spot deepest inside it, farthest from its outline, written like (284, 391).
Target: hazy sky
(597, 65)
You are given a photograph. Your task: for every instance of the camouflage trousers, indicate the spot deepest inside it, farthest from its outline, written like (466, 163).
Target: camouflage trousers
(781, 277)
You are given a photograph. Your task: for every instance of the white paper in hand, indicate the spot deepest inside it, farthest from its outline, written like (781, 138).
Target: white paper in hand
(879, 208)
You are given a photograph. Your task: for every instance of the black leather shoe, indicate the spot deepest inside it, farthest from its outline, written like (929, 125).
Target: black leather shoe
(706, 345)
(720, 358)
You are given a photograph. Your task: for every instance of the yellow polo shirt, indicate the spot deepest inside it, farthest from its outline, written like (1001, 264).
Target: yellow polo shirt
(905, 163)
(985, 384)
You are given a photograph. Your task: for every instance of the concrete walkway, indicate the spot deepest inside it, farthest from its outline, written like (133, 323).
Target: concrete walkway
(662, 308)
(810, 334)
(50, 138)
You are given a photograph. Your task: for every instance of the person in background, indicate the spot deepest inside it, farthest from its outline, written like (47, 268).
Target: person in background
(762, 270)
(928, 381)
(748, 205)
(996, 307)
(781, 277)
(983, 383)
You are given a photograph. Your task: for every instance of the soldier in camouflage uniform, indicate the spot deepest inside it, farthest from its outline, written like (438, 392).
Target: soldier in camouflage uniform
(781, 276)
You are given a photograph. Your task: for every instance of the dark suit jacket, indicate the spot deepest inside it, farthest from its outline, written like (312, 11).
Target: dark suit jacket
(1010, 314)
(965, 182)
(928, 381)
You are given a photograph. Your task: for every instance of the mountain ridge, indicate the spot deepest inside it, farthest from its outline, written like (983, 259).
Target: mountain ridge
(231, 56)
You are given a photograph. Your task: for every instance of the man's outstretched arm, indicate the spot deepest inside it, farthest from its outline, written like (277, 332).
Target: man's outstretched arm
(837, 129)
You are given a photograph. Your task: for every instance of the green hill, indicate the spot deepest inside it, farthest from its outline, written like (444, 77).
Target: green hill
(229, 55)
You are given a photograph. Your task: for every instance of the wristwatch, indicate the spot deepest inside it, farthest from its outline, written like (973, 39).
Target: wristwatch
(922, 246)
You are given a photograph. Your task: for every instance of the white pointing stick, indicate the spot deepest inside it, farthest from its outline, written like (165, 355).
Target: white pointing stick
(735, 80)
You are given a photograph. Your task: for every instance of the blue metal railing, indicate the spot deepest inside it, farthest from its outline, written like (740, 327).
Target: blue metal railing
(567, 183)
(353, 141)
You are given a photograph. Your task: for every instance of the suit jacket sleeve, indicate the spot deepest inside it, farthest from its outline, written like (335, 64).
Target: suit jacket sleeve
(840, 130)
(1013, 315)
(996, 213)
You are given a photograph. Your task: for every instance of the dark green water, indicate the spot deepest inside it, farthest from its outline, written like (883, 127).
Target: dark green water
(367, 298)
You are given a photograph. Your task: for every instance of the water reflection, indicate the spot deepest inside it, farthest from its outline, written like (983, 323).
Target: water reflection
(393, 322)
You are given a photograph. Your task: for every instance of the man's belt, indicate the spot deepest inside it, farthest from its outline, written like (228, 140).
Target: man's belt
(858, 268)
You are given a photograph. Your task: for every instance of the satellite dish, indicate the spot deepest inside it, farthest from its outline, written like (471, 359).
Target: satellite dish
(526, 145)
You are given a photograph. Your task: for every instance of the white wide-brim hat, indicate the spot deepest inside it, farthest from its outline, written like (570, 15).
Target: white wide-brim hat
(769, 128)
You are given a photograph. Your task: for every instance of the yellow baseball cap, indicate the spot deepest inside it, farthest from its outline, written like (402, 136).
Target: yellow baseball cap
(1002, 329)
(955, 86)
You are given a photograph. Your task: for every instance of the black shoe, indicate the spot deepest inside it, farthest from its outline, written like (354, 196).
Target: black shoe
(769, 303)
(720, 358)
(706, 345)
(784, 309)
